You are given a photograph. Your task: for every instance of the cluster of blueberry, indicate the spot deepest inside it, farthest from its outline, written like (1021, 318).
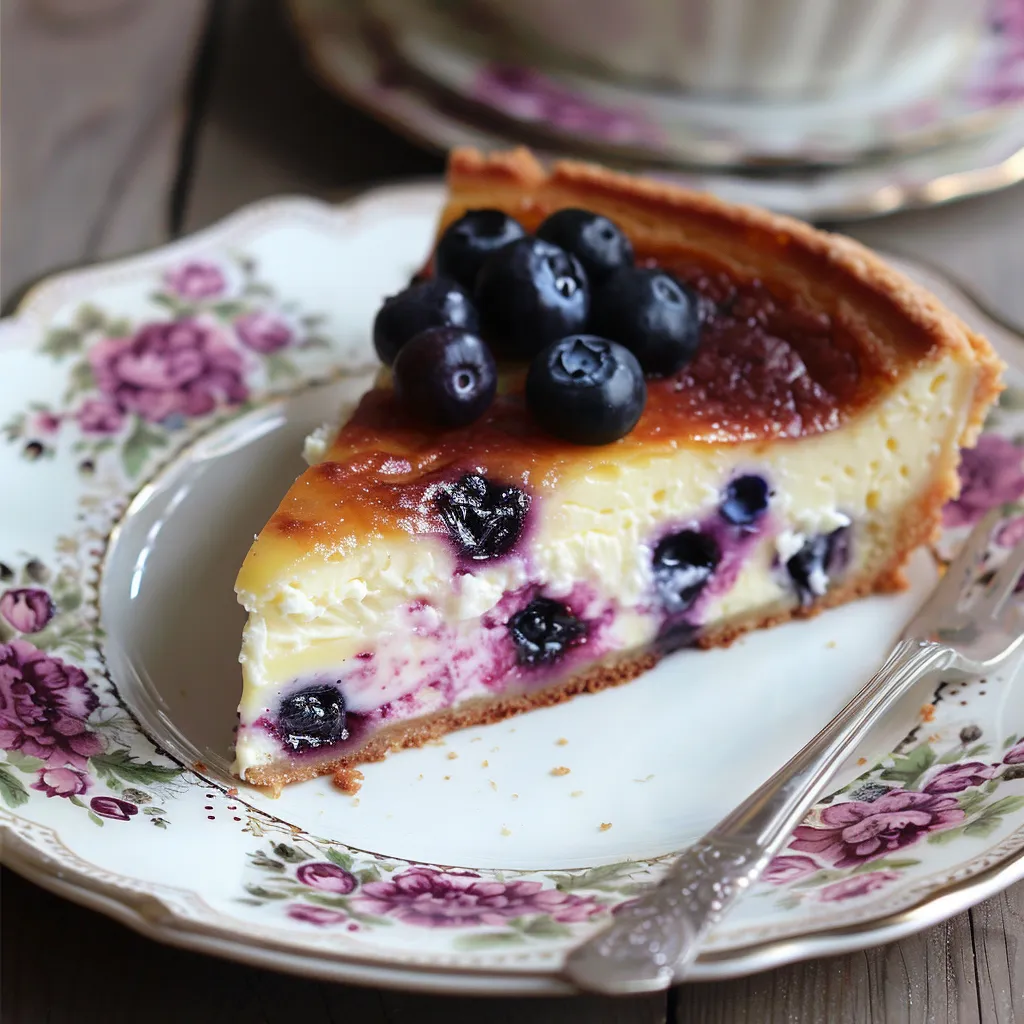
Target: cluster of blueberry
(536, 297)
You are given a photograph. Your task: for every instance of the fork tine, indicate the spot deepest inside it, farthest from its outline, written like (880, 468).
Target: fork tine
(958, 577)
(1001, 587)
(962, 569)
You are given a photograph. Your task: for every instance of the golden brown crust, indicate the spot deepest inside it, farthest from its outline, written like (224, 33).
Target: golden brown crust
(896, 321)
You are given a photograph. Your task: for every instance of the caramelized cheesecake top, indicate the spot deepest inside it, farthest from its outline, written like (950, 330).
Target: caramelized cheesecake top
(801, 331)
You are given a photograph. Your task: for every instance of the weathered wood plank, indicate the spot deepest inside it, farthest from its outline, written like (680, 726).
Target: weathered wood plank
(92, 117)
(969, 970)
(271, 129)
(403, 1008)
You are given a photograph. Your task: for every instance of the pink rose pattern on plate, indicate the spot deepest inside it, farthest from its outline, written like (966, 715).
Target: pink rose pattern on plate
(530, 95)
(58, 737)
(218, 336)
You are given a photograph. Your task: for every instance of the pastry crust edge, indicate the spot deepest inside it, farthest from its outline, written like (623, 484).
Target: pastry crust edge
(670, 214)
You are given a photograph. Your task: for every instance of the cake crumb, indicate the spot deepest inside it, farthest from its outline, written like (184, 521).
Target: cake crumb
(604, 826)
(560, 770)
(447, 778)
(419, 778)
(233, 791)
(576, 792)
(935, 737)
(494, 750)
(861, 761)
(355, 801)
(646, 778)
(493, 785)
(515, 796)
(830, 644)
(505, 830)
(927, 713)
(452, 756)
(485, 763)
(199, 766)
(348, 779)
(476, 739)
(561, 741)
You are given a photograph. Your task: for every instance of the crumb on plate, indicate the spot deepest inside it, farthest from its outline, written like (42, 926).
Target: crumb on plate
(452, 755)
(505, 830)
(560, 770)
(348, 779)
(604, 826)
(576, 792)
(561, 741)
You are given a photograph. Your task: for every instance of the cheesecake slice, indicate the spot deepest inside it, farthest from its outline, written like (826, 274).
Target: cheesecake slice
(420, 578)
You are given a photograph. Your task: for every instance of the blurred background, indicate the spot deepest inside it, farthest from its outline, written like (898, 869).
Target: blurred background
(128, 120)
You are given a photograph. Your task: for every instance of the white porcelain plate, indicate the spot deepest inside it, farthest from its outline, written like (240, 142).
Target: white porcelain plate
(152, 413)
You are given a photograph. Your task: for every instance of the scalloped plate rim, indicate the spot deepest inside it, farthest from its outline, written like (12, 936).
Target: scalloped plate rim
(80, 886)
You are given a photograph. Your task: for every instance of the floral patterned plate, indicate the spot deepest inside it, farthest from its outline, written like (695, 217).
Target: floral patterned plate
(367, 72)
(462, 51)
(152, 412)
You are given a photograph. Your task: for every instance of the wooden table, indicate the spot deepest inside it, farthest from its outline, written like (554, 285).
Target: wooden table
(128, 121)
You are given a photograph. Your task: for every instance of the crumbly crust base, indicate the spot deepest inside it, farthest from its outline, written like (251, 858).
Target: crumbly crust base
(488, 710)
(920, 525)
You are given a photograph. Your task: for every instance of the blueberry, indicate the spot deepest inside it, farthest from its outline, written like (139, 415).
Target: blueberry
(437, 302)
(746, 500)
(483, 518)
(530, 293)
(652, 314)
(543, 631)
(445, 376)
(585, 389)
(683, 563)
(820, 555)
(311, 718)
(468, 241)
(598, 243)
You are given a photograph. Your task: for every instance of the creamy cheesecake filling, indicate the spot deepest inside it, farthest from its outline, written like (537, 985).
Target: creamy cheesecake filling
(400, 627)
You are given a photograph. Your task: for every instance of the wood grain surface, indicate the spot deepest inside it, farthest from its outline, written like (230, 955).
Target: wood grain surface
(127, 120)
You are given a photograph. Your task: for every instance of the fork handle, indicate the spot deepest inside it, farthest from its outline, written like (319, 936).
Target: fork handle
(651, 940)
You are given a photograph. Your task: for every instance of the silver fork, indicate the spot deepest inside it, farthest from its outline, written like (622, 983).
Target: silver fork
(961, 631)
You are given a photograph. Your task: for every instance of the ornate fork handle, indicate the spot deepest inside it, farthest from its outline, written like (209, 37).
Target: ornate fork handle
(652, 940)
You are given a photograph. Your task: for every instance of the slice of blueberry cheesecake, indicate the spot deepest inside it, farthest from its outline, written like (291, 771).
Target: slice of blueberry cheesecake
(614, 418)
